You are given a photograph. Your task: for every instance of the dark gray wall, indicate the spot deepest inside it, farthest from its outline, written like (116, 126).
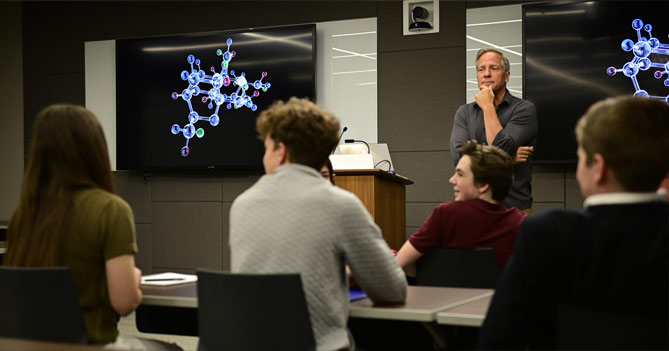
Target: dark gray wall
(421, 82)
(182, 218)
(11, 107)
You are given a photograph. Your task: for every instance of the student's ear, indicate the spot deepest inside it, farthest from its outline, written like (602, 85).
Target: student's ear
(483, 188)
(284, 153)
(601, 169)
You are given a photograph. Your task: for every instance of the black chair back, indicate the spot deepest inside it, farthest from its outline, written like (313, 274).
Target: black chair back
(40, 304)
(458, 268)
(3, 238)
(584, 328)
(252, 312)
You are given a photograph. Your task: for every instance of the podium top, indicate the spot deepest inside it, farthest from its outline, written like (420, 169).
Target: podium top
(374, 172)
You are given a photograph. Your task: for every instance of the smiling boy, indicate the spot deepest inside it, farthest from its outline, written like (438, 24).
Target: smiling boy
(477, 218)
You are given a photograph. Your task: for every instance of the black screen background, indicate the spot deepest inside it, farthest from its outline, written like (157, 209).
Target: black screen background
(148, 71)
(567, 48)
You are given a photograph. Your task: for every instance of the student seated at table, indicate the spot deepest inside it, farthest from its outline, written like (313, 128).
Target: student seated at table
(610, 257)
(292, 221)
(477, 218)
(68, 215)
(327, 172)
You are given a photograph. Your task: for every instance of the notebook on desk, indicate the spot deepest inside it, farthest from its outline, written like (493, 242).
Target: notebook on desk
(168, 278)
(356, 294)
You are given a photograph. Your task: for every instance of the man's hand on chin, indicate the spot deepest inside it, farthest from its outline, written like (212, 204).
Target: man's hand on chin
(485, 96)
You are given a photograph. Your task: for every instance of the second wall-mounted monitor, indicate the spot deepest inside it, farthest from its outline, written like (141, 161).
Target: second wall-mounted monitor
(191, 101)
(568, 48)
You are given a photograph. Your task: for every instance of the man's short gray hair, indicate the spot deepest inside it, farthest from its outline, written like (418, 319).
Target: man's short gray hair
(505, 61)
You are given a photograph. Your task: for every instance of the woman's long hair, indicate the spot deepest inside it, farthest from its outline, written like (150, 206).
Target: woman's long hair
(68, 153)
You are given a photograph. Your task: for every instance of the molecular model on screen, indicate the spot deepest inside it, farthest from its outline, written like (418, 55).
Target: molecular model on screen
(239, 98)
(642, 49)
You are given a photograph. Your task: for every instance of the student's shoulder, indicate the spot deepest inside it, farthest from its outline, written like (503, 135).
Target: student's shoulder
(100, 200)
(258, 189)
(468, 205)
(452, 205)
(101, 196)
(554, 224)
(341, 197)
(455, 206)
(114, 199)
(553, 216)
(514, 211)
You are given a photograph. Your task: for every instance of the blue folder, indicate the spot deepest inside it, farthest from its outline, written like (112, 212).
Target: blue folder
(356, 294)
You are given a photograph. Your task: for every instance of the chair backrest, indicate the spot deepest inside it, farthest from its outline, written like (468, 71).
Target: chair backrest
(252, 312)
(40, 304)
(3, 238)
(580, 327)
(475, 268)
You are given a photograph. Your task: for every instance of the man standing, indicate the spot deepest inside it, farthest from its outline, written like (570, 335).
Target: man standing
(500, 119)
(294, 221)
(610, 258)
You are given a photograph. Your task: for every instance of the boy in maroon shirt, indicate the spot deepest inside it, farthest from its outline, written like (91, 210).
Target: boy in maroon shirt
(477, 218)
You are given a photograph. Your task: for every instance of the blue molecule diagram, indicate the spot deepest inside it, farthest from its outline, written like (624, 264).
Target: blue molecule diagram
(642, 49)
(237, 99)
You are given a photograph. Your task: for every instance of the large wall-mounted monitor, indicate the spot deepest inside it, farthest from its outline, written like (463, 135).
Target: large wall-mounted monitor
(191, 101)
(568, 48)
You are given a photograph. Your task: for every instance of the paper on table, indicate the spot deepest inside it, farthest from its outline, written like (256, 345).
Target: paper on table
(169, 278)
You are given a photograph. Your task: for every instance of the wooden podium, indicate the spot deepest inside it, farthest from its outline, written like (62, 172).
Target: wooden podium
(383, 195)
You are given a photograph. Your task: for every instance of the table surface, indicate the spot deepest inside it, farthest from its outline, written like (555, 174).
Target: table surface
(179, 295)
(422, 304)
(9, 344)
(470, 314)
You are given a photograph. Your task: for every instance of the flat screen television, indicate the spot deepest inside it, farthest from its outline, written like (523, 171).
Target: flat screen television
(190, 101)
(567, 49)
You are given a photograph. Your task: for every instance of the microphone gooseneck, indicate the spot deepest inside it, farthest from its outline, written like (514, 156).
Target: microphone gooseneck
(350, 141)
(339, 139)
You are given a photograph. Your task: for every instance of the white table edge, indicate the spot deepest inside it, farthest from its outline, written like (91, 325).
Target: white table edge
(408, 314)
(169, 301)
(460, 319)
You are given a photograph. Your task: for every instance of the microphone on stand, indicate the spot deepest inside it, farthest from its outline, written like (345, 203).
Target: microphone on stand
(338, 140)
